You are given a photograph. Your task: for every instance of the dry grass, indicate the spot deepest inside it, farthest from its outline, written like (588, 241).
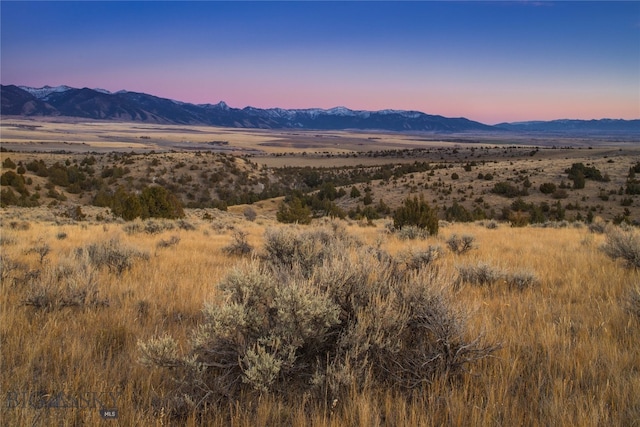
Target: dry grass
(569, 356)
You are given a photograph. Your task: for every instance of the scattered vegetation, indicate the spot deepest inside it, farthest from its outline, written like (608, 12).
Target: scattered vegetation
(342, 324)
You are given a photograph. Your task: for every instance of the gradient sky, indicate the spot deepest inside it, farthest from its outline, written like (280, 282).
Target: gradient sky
(487, 61)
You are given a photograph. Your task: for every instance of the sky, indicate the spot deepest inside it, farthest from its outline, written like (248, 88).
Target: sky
(487, 61)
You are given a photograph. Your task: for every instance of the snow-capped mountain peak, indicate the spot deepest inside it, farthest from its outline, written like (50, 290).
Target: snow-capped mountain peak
(45, 91)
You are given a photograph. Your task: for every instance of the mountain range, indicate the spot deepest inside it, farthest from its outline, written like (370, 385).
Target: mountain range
(100, 104)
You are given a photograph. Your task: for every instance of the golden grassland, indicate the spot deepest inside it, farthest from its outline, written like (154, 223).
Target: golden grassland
(569, 347)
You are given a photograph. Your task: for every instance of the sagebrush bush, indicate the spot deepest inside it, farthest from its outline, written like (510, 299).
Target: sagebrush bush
(411, 232)
(491, 225)
(521, 279)
(624, 244)
(479, 274)
(286, 247)
(461, 244)
(239, 245)
(68, 284)
(8, 268)
(186, 225)
(149, 226)
(249, 213)
(598, 226)
(633, 301)
(290, 327)
(167, 243)
(419, 259)
(42, 249)
(113, 254)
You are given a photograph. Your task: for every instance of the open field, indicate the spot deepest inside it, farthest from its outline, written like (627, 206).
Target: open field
(77, 135)
(83, 291)
(568, 349)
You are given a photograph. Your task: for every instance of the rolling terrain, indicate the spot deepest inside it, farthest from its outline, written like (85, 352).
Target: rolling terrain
(523, 310)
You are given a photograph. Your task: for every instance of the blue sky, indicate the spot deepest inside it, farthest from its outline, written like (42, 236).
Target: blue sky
(488, 61)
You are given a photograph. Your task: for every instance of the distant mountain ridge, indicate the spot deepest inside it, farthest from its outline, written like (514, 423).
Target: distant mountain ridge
(568, 125)
(100, 104)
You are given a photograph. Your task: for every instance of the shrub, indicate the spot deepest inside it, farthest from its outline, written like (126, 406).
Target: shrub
(457, 212)
(416, 212)
(598, 226)
(172, 241)
(10, 178)
(70, 284)
(623, 244)
(153, 202)
(294, 212)
(8, 163)
(460, 245)
(417, 260)
(352, 323)
(491, 225)
(239, 246)
(521, 279)
(411, 232)
(507, 189)
(186, 225)
(479, 274)
(633, 301)
(560, 194)
(111, 254)
(41, 249)
(547, 188)
(158, 202)
(249, 214)
(284, 247)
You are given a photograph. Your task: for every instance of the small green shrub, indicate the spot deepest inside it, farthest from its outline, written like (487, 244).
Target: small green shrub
(507, 189)
(547, 188)
(416, 212)
(294, 211)
(8, 163)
